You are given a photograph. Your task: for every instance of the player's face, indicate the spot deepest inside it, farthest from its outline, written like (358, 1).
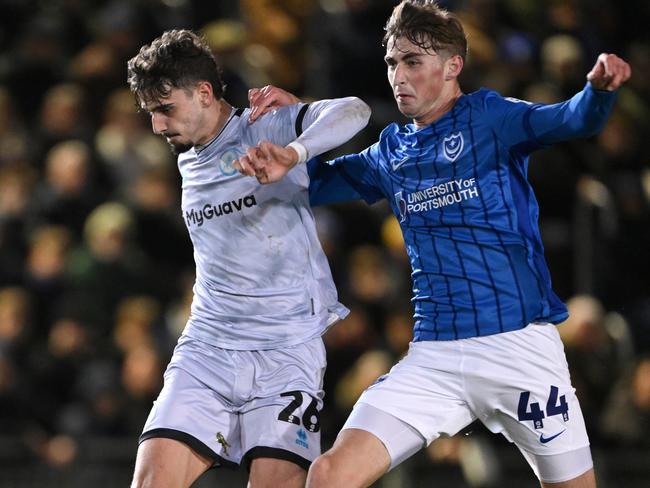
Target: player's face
(416, 76)
(178, 117)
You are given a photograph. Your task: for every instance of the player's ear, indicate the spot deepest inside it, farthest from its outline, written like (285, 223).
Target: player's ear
(453, 67)
(204, 90)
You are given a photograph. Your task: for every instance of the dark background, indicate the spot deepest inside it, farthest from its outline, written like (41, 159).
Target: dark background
(96, 267)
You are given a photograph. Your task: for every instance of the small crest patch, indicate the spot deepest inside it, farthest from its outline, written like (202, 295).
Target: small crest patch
(453, 145)
(226, 163)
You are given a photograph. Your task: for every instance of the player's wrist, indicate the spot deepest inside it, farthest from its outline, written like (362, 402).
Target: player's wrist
(300, 149)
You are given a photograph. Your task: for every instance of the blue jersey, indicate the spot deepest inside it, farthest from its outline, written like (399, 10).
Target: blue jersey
(468, 214)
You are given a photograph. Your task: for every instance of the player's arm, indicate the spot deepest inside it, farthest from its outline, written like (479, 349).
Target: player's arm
(326, 124)
(341, 180)
(583, 115)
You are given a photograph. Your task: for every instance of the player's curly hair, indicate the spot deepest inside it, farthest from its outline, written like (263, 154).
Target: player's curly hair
(177, 59)
(428, 26)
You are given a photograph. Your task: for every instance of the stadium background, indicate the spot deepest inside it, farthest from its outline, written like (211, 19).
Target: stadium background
(96, 267)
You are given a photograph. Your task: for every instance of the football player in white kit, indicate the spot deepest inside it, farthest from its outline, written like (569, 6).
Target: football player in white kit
(244, 384)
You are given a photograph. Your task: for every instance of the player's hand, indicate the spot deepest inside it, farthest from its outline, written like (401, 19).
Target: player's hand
(609, 72)
(268, 162)
(263, 100)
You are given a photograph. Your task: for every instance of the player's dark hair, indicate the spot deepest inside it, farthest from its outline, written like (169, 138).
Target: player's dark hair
(177, 59)
(428, 26)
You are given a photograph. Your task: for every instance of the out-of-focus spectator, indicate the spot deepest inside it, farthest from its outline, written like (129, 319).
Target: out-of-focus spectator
(45, 272)
(16, 339)
(598, 349)
(229, 41)
(563, 62)
(13, 137)
(278, 33)
(627, 418)
(138, 324)
(363, 373)
(62, 117)
(109, 266)
(125, 143)
(37, 61)
(16, 183)
(96, 269)
(154, 200)
(67, 194)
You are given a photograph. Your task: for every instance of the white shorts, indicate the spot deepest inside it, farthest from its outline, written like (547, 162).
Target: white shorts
(240, 405)
(516, 383)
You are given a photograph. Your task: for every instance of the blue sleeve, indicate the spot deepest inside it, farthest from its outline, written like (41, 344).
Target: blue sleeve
(343, 179)
(530, 126)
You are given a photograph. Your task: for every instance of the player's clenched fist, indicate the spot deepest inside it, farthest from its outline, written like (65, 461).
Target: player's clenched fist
(609, 72)
(268, 162)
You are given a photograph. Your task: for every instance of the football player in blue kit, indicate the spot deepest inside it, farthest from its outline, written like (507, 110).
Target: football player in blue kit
(244, 384)
(484, 344)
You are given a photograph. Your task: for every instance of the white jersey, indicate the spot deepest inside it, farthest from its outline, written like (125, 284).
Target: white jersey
(262, 279)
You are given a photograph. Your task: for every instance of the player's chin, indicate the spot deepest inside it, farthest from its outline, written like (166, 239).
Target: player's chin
(180, 147)
(406, 110)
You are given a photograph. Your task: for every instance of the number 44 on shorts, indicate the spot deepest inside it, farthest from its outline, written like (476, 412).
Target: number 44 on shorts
(532, 411)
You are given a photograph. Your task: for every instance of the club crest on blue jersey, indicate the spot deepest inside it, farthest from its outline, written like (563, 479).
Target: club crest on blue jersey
(226, 163)
(453, 145)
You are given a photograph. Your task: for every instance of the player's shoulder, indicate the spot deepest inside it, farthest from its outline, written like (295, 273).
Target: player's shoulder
(395, 131)
(482, 97)
(270, 124)
(490, 103)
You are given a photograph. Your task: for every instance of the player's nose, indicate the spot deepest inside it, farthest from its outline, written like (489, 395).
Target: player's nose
(399, 75)
(158, 123)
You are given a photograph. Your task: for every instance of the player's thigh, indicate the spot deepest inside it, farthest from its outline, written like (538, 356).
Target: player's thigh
(420, 399)
(192, 412)
(573, 469)
(585, 480)
(520, 386)
(167, 463)
(399, 440)
(283, 419)
(357, 459)
(273, 472)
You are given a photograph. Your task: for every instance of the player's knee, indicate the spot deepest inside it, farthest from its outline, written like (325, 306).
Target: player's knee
(142, 479)
(145, 476)
(322, 472)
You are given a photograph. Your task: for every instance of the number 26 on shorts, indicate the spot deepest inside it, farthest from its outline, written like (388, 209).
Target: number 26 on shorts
(311, 416)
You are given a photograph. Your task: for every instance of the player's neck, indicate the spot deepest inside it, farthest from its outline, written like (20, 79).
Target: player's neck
(440, 107)
(220, 113)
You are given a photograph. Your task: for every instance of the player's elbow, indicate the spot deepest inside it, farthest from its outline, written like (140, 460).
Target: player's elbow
(358, 109)
(590, 127)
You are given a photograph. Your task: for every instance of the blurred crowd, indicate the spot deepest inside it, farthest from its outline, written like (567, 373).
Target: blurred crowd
(96, 267)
